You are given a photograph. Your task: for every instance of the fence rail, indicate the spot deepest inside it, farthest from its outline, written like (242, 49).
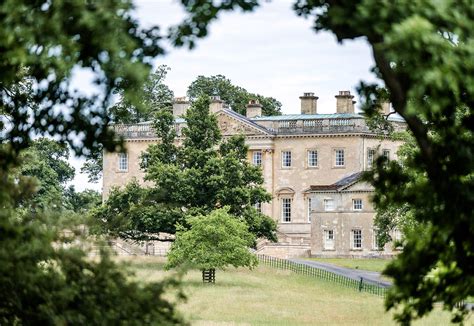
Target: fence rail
(359, 285)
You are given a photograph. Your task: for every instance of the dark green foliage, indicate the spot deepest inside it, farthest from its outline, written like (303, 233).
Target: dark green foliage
(374, 96)
(203, 174)
(82, 202)
(54, 155)
(165, 151)
(424, 58)
(423, 53)
(155, 95)
(46, 284)
(93, 165)
(45, 162)
(136, 213)
(43, 45)
(46, 279)
(201, 132)
(53, 39)
(216, 240)
(393, 216)
(236, 96)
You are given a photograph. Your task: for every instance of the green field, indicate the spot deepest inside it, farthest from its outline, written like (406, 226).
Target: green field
(267, 296)
(368, 264)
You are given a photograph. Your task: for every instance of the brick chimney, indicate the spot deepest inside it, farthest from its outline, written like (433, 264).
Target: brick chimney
(344, 103)
(216, 104)
(309, 103)
(254, 109)
(385, 107)
(180, 106)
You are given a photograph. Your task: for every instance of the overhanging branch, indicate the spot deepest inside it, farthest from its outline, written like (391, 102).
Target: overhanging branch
(399, 100)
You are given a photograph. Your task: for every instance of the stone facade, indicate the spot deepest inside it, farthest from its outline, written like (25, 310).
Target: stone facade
(296, 153)
(342, 220)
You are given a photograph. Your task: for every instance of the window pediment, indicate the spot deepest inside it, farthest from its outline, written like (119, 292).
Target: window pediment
(285, 191)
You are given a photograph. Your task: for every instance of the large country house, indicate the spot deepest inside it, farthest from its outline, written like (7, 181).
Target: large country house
(311, 164)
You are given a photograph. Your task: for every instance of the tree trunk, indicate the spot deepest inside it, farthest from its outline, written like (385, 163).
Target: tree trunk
(209, 275)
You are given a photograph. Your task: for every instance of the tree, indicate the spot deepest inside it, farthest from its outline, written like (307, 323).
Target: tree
(413, 47)
(424, 58)
(43, 281)
(213, 241)
(236, 96)
(392, 217)
(46, 163)
(155, 96)
(203, 174)
(82, 202)
(44, 45)
(93, 165)
(51, 42)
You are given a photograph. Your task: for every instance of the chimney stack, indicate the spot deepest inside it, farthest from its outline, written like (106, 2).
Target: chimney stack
(216, 104)
(344, 103)
(385, 107)
(254, 109)
(309, 103)
(180, 106)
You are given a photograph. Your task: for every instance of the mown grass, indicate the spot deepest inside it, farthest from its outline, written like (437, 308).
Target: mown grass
(266, 296)
(368, 264)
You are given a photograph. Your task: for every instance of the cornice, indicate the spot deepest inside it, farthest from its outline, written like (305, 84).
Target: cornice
(331, 135)
(145, 140)
(336, 191)
(273, 136)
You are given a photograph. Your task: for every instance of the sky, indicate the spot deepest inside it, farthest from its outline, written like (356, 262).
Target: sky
(271, 51)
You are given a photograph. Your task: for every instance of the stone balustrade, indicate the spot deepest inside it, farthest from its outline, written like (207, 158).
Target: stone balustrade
(280, 126)
(316, 126)
(140, 130)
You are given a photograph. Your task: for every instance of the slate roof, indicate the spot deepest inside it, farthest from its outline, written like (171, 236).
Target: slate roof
(306, 116)
(393, 117)
(285, 117)
(346, 181)
(243, 118)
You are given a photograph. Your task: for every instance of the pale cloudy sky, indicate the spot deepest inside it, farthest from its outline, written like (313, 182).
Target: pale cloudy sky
(271, 51)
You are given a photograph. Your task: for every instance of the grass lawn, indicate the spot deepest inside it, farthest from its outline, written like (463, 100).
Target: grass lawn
(368, 264)
(267, 296)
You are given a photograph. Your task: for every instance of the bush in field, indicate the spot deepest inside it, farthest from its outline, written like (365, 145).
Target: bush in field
(217, 240)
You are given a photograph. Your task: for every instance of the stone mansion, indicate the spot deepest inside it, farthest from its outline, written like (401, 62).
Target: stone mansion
(311, 163)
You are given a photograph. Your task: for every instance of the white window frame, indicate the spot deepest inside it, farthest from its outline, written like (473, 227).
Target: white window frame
(356, 239)
(122, 162)
(312, 158)
(386, 154)
(286, 209)
(370, 157)
(339, 157)
(327, 207)
(357, 204)
(258, 206)
(375, 243)
(397, 237)
(328, 239)
(286, 159)
(257, 158)
(310, 208)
